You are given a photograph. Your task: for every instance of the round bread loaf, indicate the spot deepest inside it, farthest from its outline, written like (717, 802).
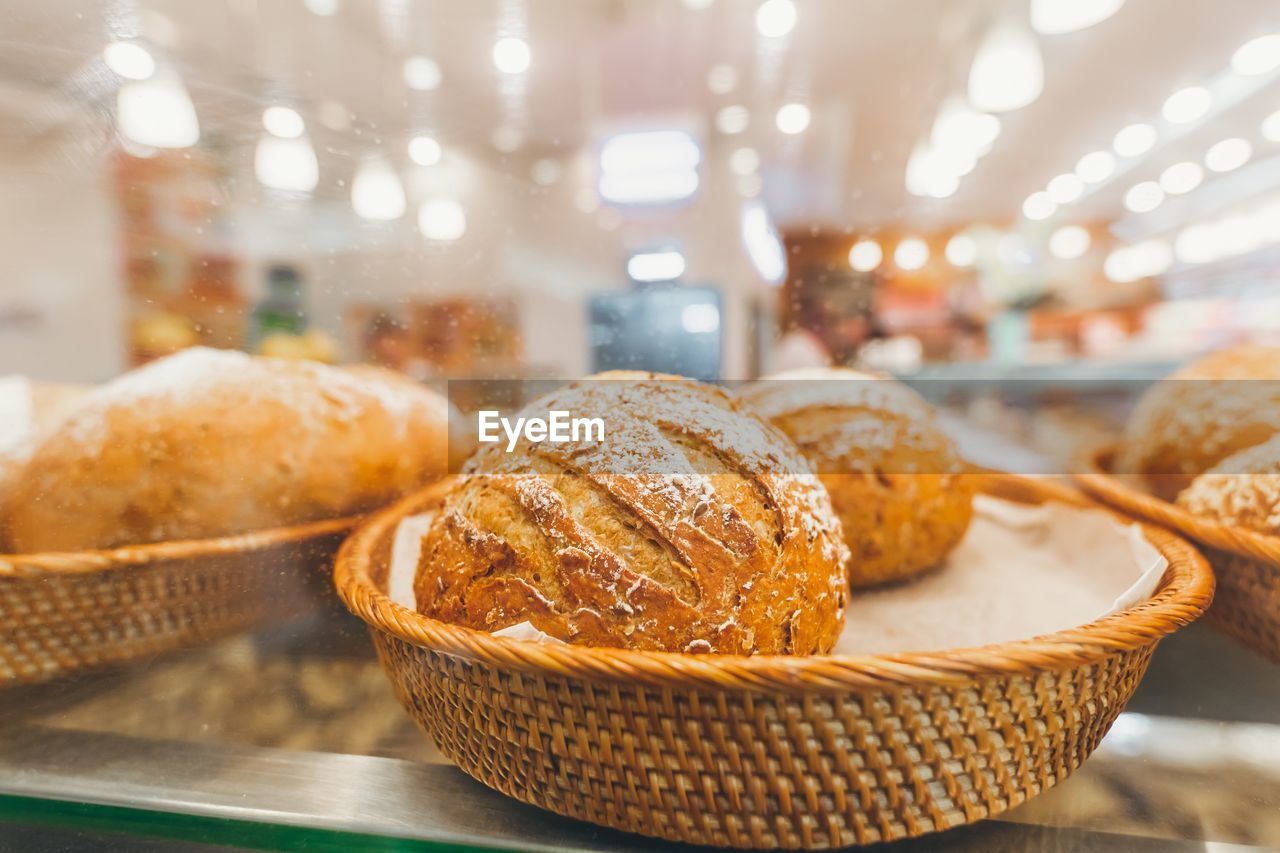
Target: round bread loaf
(693, 526)
(1242, 490)
(1203, 413)
(893, 475)
(212, 442)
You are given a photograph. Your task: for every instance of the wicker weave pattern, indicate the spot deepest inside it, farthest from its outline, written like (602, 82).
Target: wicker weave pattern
(767, 752)
(1247, 563)
(61, 614)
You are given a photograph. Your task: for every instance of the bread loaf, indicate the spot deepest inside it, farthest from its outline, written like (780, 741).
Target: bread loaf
(1203, 413)
(693, 526)
(1242, 490)
(893, 474)
(211, 442)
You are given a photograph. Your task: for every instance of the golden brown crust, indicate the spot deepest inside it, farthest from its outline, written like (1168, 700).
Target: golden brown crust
(893, 474)
(692, 527)
(209, 443)
(1242, 490)
(1202, 414)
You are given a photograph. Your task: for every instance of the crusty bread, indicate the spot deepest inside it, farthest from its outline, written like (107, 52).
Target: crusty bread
(893, 474)
(211, 442)
(1200, 415)
(1242, 490)
(693, 526)
(34, 410)
(462, 436)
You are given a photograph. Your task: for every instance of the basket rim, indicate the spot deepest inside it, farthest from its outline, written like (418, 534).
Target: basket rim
(1099, 480)
(127, 556)
(1184, 593)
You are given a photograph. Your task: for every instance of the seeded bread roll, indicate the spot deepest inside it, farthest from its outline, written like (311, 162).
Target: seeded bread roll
(211, 442)
(1242, 490)
(1203, 413)
(893, 474)
(692, 526)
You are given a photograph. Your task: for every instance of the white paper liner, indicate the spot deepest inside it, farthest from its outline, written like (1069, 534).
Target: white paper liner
(1021, 571)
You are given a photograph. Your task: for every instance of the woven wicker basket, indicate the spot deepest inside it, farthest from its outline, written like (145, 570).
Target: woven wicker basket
(1247, 564)
(63, 613)
(800, 752)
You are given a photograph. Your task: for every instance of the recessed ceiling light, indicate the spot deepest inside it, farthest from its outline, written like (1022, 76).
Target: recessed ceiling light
(323, 8)
(912, 253)
(512, 55)
(1134, 140)
(1181, 178)
(1069, 242)
(722, 79)
(793, 118)
(744, 161)
(1007, 71)
(1187, 105)
(1039, 205)
(776, 18)
(962, 250)
(1096, 167)
(1065, 188)
(1056, 17)
(1271, 127)
(425, 151)
(1257, 56)
(865, 255)
(442, 219)
(283, 122)
(129, 60)
(422, 74)
(1228, 154)
(1144, 197)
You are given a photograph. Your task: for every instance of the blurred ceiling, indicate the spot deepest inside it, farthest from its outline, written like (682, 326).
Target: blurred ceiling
(874, 73)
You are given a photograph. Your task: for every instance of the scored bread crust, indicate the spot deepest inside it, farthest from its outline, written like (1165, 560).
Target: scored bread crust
(893, 474)
(1243, 489)
(211, 443)
(692, 527)
(1200, 415)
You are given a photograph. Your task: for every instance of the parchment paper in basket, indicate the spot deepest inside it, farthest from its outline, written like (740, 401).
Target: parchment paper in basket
(1020, 572)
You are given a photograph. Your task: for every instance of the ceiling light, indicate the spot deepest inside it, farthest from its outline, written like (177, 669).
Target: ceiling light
(1181, 178)
(423, 74)
(649, 167)
(764, 247)
(865, 255)
(511, 55)
(656, 266)
(732, 119)
(287, 164)
(641, 189)
(1187, 105)
(129, 60)
(425, 151)
(1134, 140)
(744, 161)
(943, 186)
(1130, 263)
(1144, 197)
(928, 174)
(283, 122)
(722, 79)
(376, 191)
(1069, 242)
(1271, 127)
(323, 8)
(1228, 154)
(700, 318)
(1258, 56)
(911, 253)
(1096, 167)
(962, 250)
(1196, 244)
(1007, 71)
(776, 18)
(157, 112)
(697, 5)
(961, 128)
(1055, 17)
(792, 118)
(1039, 205)
(1065, 188)
(442, 219)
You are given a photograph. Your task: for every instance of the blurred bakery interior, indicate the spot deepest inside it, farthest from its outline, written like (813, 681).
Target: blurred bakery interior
(719, 188)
